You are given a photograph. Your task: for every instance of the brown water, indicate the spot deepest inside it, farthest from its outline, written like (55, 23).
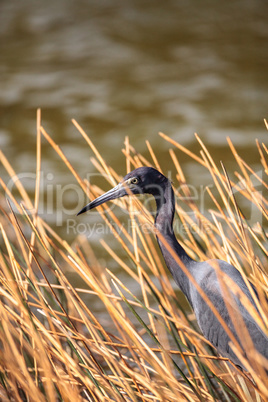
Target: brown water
(129, 68)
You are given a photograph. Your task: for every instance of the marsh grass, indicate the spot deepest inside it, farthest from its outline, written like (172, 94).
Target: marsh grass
(54, 346)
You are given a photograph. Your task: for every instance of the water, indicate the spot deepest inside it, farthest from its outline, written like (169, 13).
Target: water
(129, 68)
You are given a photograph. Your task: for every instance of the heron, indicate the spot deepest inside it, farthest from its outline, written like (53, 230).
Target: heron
(219, 329)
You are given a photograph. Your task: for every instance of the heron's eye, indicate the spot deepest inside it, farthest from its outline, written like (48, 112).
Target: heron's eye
(134, 180)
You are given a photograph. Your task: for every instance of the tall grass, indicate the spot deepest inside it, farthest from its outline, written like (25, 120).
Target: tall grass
(146, 347)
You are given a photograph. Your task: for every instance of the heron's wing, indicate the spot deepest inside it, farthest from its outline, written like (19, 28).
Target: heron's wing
(210, 325)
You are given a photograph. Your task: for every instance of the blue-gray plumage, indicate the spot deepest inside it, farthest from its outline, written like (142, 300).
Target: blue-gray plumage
(148, 180)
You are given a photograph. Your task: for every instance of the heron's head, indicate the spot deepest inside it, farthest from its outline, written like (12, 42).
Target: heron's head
(139, 181)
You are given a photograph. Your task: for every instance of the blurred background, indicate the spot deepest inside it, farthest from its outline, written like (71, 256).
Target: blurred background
(130, 68)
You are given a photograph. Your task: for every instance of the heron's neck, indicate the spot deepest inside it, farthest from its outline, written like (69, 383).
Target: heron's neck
(165, 203)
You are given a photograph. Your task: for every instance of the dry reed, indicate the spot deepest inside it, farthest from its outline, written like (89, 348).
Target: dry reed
(54, 346)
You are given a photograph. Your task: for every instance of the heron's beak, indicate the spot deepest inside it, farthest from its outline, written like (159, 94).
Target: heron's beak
(116, 192)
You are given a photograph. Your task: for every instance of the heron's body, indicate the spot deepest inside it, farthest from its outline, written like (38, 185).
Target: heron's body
(149, 180)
